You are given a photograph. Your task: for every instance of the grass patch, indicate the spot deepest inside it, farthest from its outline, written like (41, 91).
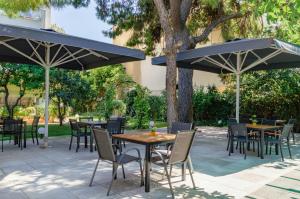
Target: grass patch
(56, 130)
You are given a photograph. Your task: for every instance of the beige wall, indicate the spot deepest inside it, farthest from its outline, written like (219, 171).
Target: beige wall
(154, 77)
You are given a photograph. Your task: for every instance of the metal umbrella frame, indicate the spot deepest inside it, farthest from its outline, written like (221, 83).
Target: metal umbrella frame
(50, 49)
(238, 57)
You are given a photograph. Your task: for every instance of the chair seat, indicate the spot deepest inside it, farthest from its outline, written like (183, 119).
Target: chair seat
(123, 159)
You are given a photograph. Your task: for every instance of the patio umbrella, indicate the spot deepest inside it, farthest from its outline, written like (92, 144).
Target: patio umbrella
(51, 49)
(237, 57)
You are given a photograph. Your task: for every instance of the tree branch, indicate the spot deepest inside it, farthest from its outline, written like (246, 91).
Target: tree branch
(215, 23)
(185, 10)
(163, 15)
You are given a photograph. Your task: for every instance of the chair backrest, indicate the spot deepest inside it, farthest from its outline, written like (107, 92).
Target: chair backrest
(287, 128)
(104, 144)
(122, 122)
(114, 126)
(292, 121)
(239, 130)
(9, 125)
(74, 125)
(268, 122)
(86, 119)
(180, 126)
(182, 147)
(35, 123)
(230, 122)
(19, 126)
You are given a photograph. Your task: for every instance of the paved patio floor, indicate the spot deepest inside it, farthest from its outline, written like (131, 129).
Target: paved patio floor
(59, 173)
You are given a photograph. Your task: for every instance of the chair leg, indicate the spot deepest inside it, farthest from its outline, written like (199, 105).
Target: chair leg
(190, 164)
(113, 178)
(267, 143)
(78, 143)
(288, 145)
(258, 148)
(123, 170)
(71, 142)
(228, 143)
(245, 151)
(171, 167)
(169, 180)
(92, 179)
(37, 139)
(280, 148)
(32, 137)
(191, 174)
(142, 173)
(2, 143)
(293, 134)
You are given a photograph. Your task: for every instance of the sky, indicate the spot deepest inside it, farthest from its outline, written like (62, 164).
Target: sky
(80, 22)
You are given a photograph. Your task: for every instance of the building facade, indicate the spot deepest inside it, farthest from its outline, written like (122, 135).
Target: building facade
(154, 77)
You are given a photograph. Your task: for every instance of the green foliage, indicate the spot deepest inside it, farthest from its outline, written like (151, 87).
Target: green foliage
(141, 105)
(106, 106)
(158, 107)
(68, 89)
(12, 7)
(212, 106)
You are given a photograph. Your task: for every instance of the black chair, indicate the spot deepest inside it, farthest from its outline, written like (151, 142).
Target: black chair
(230, 122)
(178, 155)
(239, 133)
(34, 129)
(13, 128)
(106, 153)
(279, 138)
(294, 122)
(77, 132)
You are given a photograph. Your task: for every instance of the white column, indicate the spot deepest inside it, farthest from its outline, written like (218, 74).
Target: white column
(237, 99)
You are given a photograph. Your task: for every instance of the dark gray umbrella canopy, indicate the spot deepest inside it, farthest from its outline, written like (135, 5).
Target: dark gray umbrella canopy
(253, 50)
(238, 57)
(66, 51)
(50, 49)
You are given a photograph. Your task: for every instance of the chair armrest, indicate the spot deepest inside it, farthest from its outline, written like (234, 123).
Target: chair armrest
(160, 156)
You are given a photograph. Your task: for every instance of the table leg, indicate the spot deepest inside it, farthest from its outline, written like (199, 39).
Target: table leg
(262, 143)
(91, 140)
(147, 168)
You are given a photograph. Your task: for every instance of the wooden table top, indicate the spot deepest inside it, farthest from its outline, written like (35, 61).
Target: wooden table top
(262, 126)
(146, 138)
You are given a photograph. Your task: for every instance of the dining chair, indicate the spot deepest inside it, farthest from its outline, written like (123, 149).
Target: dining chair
(178, 155)
(34, 129)
(294, 122)
(239, 132)
(77, 132)
(10, 128)
(230, 122)
(280, 137)
(106, 153)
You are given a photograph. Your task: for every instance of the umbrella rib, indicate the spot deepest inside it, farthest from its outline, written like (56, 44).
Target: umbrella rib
(21, 53)
(35, 52)
(67, 57)
(58, 50)
(258, 57)
(229, 65)
(74, 57)
(198, 60)
(211, 60)
(98, 54)
(275, 53)
(244, 59)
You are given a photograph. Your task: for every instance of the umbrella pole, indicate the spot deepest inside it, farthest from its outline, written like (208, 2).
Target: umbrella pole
(47, 70)
(238, 73)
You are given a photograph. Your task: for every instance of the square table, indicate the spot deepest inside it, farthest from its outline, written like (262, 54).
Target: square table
(92, 124)
(149, 141)
(262, 128)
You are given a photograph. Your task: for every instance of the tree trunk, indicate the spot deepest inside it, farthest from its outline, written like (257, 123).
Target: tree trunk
(185, 82)
(185, 95)
(171, 75)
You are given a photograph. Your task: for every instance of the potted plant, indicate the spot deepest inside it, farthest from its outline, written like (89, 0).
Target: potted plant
(253, 119)
(153, 131)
